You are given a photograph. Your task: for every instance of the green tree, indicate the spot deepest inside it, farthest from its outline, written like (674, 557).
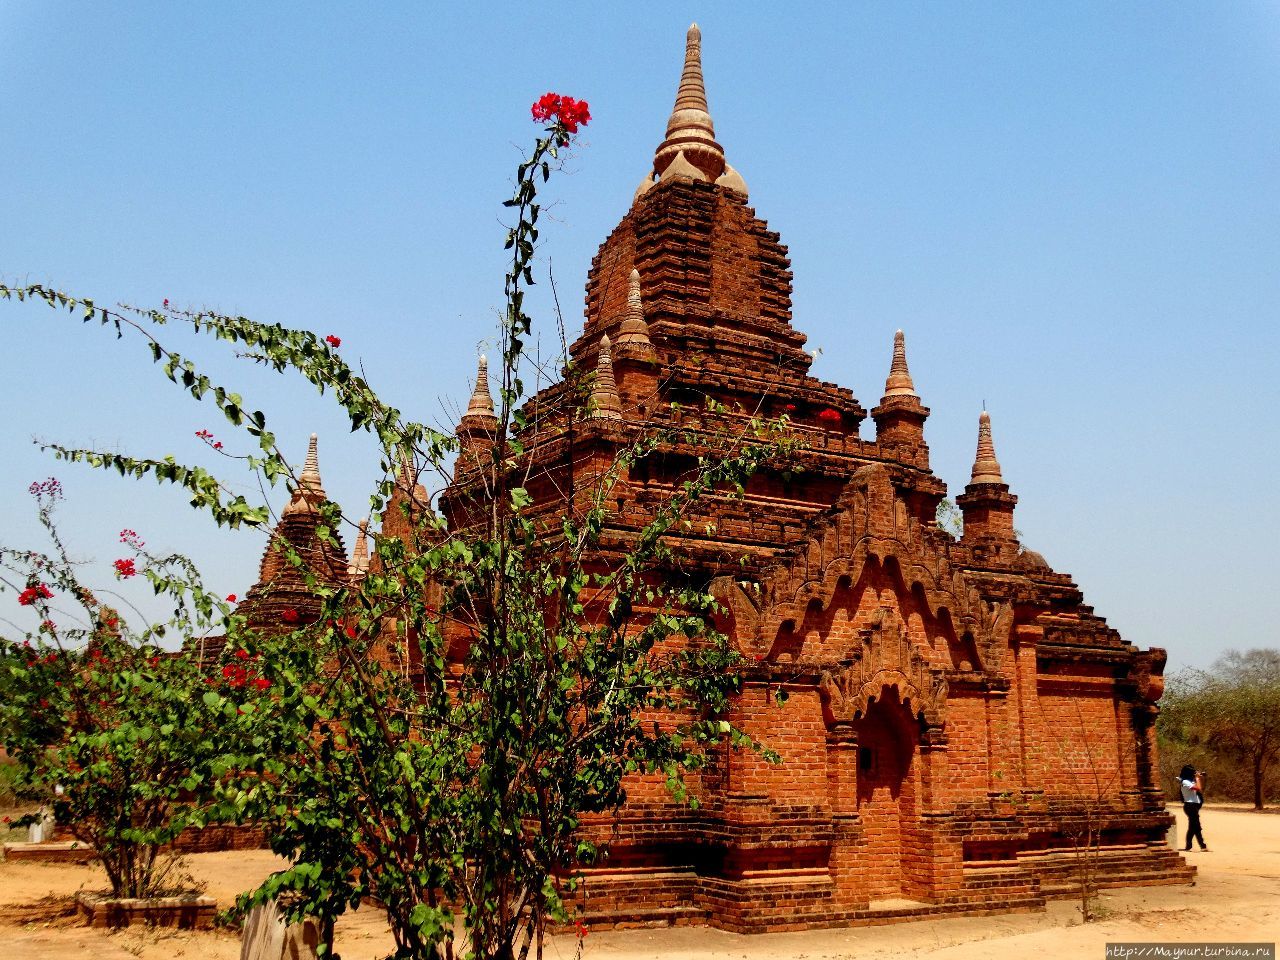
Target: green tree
(1233, 708)
(434, 738)
(103, 725)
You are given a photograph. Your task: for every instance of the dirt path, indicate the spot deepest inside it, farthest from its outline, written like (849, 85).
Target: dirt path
(1236, 897)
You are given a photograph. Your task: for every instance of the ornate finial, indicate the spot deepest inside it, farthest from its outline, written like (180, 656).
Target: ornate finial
(605, 402)
(986, 468)
(408, 487)
(633, 332)
(311, 467)
(359, 564)
(481, 401)
(309, 491)
(899, 383)
(690, 130)
(479, 416)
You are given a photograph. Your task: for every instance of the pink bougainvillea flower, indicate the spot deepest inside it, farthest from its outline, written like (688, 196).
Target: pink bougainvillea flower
(231, 598)
(125, 568)
(242, 654)
(789, 408)
(261, 683)
(217, 444)
(830, 415)
(333, 341)
(166, 303)
(33, 593)
(48, 625)
(580, 928)
(351, 633)
(290, 616)
(204, 434)
(49, 488)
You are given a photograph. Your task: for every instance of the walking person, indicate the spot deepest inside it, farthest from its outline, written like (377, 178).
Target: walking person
(1192, 782)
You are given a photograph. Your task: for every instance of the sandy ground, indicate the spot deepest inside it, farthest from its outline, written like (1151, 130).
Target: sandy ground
(1236, 898)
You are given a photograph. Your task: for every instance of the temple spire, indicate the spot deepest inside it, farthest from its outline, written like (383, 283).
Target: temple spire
(481, 400)
(479, 421)
(899, 383)
(986, 468)
(605, 402)
(633, 332)
(310, 491)
(407, 482)
(359, 564)
(690, 149)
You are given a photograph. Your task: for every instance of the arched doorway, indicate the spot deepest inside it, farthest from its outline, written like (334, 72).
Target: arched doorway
(888, 790)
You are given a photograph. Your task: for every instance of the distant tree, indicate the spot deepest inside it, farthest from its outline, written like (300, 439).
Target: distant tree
(949, 517)
(1233, 708)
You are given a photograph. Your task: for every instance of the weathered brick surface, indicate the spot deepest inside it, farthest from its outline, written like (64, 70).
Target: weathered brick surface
(949, 704)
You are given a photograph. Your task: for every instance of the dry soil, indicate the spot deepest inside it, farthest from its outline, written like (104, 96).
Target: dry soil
(1236, 897)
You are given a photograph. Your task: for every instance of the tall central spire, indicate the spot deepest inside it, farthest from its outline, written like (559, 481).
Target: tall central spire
(310, 491)
(690, 149)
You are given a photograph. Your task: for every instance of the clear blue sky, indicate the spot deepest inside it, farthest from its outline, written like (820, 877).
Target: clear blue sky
(1072, 209)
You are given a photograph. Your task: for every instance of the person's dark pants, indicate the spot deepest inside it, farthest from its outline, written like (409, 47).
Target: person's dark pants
(1192, 810)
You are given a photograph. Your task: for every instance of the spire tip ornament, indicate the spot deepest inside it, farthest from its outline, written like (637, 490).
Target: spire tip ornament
(690, 130)
(986, 468)
(899, 383)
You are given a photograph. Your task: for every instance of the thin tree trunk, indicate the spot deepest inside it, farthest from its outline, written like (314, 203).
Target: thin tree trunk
(1257, 779)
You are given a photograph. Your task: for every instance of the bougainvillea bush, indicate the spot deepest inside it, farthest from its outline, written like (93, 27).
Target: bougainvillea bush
(109, 730)
(435, 736)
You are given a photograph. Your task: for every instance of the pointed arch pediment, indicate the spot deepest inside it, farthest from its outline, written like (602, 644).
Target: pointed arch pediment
(868, 526)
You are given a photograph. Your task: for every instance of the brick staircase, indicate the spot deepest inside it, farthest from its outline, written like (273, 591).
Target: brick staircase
(1132, 865)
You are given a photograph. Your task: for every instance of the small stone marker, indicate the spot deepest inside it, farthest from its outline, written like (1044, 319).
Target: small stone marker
(265, 936)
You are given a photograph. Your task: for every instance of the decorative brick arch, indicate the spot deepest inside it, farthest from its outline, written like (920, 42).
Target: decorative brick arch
(887, 660)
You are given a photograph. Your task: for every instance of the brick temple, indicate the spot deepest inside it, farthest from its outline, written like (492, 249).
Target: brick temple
(955, 713)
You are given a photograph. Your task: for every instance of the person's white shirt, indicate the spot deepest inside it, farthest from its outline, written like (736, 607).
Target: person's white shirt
(1189, 794)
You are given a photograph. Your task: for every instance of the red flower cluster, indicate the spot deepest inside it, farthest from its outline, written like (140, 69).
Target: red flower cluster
(788, 408)
(580, 928)
(290, 616)
(240, 674)
(125, 568)
(166, 303)
(131, 538)
(566, 111)
(333, 341)
(231, 598)
(33, 593)
(831, 416)
(48, 626)
(206, 436)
